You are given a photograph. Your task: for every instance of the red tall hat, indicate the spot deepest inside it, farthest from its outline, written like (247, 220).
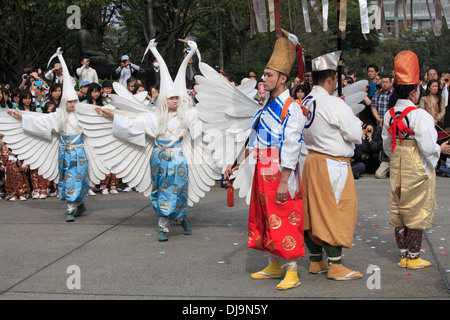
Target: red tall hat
(407, 70)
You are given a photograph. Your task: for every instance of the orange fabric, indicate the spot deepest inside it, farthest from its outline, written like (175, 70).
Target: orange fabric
(286, 105)
(406, 65)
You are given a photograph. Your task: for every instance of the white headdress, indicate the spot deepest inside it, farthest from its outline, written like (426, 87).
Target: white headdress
(327, 61)
(68, 90)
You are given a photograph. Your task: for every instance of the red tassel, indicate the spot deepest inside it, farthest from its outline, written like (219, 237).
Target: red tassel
(230, 194)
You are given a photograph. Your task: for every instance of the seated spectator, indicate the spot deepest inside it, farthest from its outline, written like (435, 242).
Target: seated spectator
(5, 101)
(261, 94)
(84, 86)
(444, 170)
(107, 90)
(26, 101)
(301, 92)
(358, 166)
(54, 94)
(94, 95)
(154, 91)
(15, 93)
(371, 148)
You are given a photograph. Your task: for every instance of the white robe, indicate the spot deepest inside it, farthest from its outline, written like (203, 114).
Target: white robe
(422, 124)
(331, 128)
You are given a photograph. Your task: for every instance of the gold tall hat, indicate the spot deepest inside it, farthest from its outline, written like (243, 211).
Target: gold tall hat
(283, 56)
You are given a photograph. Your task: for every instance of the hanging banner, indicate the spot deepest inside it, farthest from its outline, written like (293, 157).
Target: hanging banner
(405, 21)
(277, 18)
(306, 16)
(438, 16)
(380, 20)
(343, 17)
(325, 14)
(259, 6)
(271, 15)
(364, 14)
(252, 20)
(446, 8)
(319, 16)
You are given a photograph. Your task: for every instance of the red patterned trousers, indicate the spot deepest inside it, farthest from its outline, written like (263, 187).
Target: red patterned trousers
(273, 226)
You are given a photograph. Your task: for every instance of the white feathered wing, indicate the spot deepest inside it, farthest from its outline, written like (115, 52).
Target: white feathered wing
(227, 113)
(37, 152)
(126, 160)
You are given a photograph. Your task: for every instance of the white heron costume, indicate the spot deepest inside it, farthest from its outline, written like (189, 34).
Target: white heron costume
(56, 145)
(159, 151)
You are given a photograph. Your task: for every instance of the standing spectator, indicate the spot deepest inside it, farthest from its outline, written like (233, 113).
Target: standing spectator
(431, 74)
(380, 100)
(56, 75)
(372, 73)
(191, 71)
(86, 73)
(433, 102)
(154, 74)
(28, 73)
(126, 70)
(381, 105)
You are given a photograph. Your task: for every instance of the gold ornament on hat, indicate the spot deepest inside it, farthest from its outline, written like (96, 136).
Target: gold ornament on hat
(283, 56)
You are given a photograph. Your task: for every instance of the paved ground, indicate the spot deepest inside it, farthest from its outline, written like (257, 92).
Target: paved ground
(114, 249)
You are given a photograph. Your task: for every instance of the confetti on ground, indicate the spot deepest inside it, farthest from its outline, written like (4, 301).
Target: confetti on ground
(162, 252)
(389, 251)
(207, 238)
(409, 274)
(148, 234)
(220, 261)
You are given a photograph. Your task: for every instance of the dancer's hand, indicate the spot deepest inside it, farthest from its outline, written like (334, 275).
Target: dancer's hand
(15, 114)
(282, 192)
(229, 170)
(107, 113)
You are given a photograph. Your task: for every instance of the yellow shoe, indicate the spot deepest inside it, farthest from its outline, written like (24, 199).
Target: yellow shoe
(403, 262)
(339, 272)
(318, 267)
(291, 280)
(272, 271)
(417, 263)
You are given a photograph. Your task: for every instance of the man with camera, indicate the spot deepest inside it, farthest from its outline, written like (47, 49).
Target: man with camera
(29, 75)
(86, 73)
(126, 70)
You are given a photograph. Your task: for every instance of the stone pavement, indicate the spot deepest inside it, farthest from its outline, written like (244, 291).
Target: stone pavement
(112, 252)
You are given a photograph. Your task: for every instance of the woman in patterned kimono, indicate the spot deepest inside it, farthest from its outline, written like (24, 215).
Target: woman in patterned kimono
(16, 182)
